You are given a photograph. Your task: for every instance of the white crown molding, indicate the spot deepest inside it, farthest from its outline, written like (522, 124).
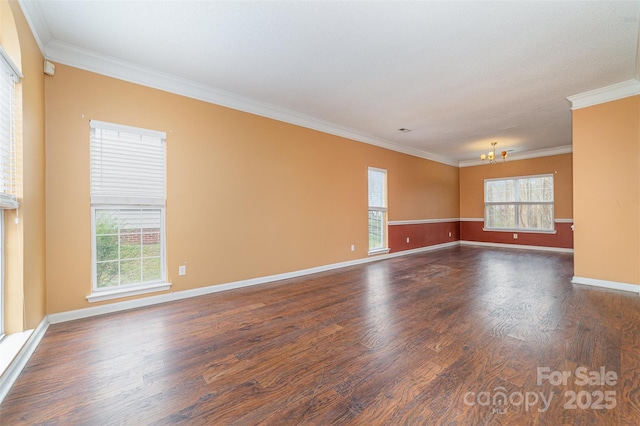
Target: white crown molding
(566, 220)
(420, 221)
(605, 94)
(516, 246)
(71, 55)
(77, 57)
(74, 56)
(613, 285)
(545, 152)
(35, 19)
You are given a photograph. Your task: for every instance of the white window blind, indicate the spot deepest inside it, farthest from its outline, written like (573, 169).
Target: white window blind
(9, 76)
(127, 165)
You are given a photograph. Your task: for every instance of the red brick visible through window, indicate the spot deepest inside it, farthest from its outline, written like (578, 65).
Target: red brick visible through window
(149, 236)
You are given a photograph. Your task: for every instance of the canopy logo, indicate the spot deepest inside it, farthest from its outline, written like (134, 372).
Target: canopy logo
(599, 398)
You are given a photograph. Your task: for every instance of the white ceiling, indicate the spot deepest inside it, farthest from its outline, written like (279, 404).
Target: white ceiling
(458, 74)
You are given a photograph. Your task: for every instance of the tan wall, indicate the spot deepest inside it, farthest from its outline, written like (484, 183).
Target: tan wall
(247, 196)
(418, 192)
(25, 241)
(9, 39)
(606, 155)
(32, 210)
(472, 182)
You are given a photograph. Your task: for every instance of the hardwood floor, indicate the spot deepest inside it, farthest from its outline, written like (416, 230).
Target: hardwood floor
(433, 338)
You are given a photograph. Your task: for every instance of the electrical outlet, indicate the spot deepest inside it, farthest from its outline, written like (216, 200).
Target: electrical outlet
(449, 233)
(515, 236)
(182, 270)
(353, 247)
(407, 239)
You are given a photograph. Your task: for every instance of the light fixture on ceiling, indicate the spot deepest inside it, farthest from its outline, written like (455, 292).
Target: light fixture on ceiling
(404, 130)
(491, 155)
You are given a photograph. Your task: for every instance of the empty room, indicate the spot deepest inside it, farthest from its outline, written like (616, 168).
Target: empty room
(318, 212)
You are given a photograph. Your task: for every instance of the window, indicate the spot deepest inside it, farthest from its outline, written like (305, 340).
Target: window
(9, 76)
(128, 176)
(522, 203)
(377, 210)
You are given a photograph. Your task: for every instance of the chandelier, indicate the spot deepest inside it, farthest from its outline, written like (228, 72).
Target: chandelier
(491, 155)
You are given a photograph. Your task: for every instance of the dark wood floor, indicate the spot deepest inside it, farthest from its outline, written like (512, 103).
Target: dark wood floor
(433, 338)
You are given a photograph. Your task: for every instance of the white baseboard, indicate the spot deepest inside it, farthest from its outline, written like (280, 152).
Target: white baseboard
(516, 246)
(421, 249)
(185, 294)
(20, 361)
(613, 285)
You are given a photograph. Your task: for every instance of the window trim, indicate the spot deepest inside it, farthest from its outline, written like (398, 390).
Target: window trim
(384, 210)
(520, 203)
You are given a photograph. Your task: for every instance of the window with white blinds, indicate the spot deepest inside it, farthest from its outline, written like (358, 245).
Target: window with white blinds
(128, 175)
(9, 76)
(377, 209)
(127, 165)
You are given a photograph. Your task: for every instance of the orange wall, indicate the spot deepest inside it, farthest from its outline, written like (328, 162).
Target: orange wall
(472, 182)
(418, 192)
(247, 196)
(606, 155)
(32, 211)
(25, 241)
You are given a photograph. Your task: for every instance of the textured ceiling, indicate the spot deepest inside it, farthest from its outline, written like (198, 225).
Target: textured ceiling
(458, 74)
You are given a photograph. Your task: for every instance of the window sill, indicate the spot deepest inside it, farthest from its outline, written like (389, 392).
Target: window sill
(520, 231)
(378, 251)
(101, 295)
(10, 347)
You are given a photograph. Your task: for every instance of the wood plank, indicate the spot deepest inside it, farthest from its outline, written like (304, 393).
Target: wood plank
(400, 341)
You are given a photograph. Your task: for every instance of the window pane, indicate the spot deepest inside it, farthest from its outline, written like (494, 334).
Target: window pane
(151, 244)
(377, 188)
(127, 242)
(107, 274)
(496, 191)
(130, 221)
(106, 222)
(500, 216)
(106, 247)
(151, 269)
(130, 247)
(130, 271)
(535, 189)
(376, 229)
(536, 216)
(150, 220)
